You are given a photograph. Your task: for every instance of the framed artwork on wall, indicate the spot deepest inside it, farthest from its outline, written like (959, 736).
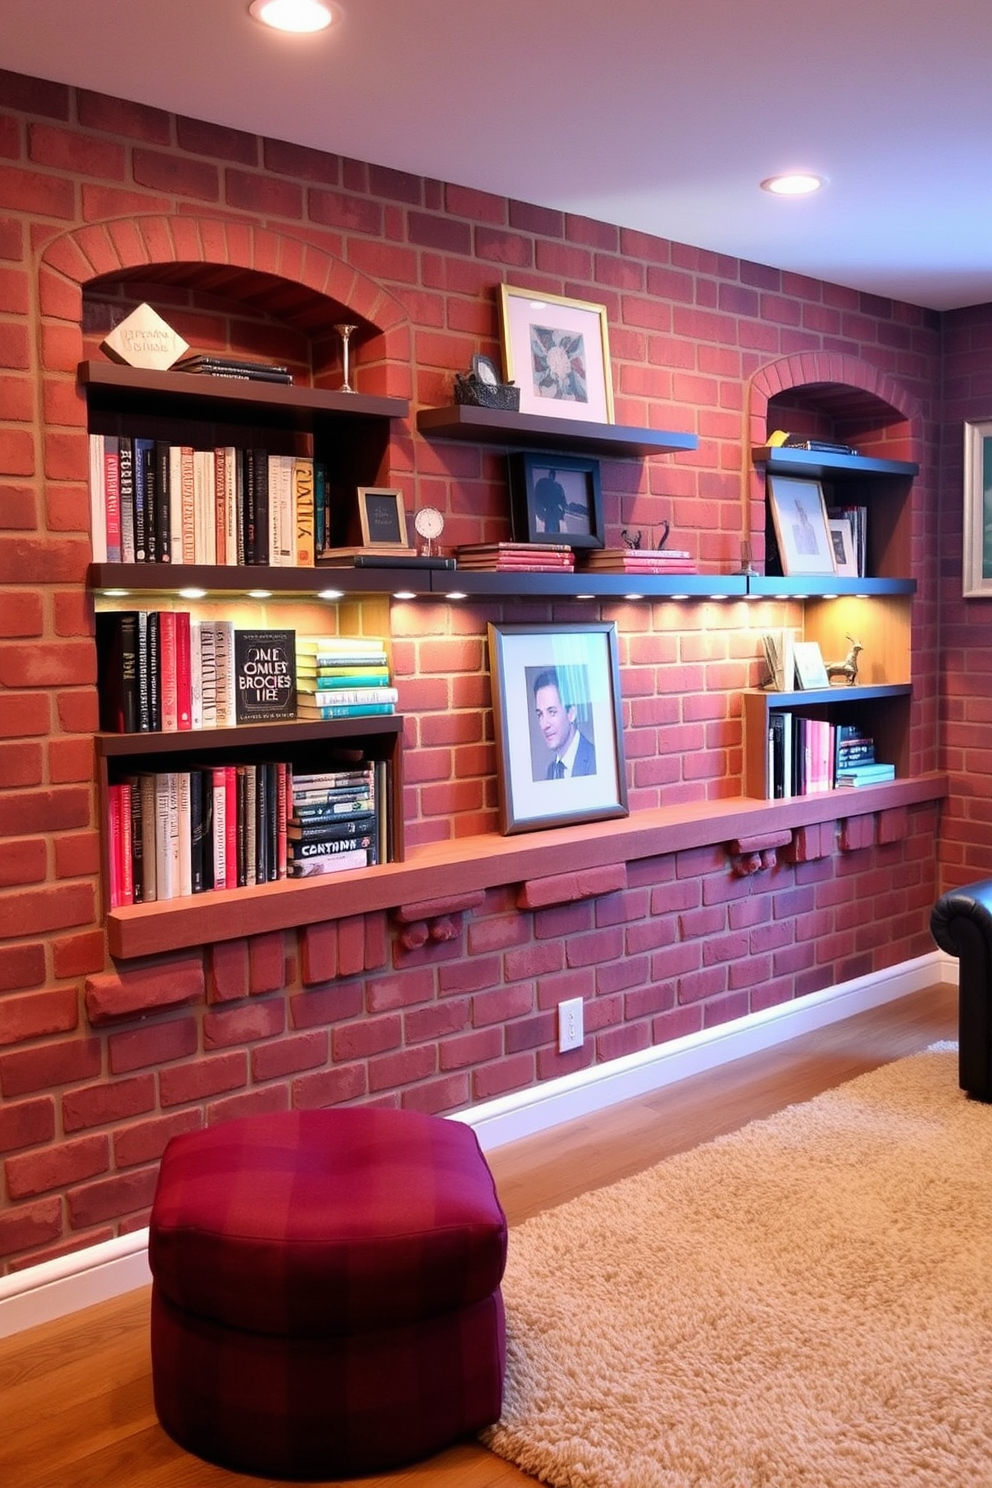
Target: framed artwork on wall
(799, 515)
(977, 575)
(556, 498)
(559, 735)
(557, 351)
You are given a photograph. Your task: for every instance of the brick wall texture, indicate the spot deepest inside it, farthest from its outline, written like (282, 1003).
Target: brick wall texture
(100, 1063)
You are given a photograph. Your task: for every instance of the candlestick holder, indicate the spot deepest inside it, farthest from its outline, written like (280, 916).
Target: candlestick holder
(345, 332)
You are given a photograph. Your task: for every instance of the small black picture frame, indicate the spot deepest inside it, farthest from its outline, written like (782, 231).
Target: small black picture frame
(555, 499)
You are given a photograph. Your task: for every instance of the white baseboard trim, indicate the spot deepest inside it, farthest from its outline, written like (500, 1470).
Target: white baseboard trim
(56, 1288)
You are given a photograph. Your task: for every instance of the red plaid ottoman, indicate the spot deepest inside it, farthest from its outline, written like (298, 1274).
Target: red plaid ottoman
(326, 1294)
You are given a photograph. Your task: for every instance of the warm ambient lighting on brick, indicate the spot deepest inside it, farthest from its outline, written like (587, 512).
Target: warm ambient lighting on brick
(794, 183)
(300, 16)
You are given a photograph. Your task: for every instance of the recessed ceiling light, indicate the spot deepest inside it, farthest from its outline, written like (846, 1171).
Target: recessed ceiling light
(795, 183)
(292, 15)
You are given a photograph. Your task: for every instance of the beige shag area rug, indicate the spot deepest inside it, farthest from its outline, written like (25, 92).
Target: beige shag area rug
(806, 1303)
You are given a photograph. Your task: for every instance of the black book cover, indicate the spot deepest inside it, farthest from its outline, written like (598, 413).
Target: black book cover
(264, 675)
(154, 673)
(272, 821)
(139, 469)
(163, 502)
(241, 780)
(125, 457)
(145, 462)
(331, 828)
(260, 469)
(117, 661)
(262, 824)
(200, 804)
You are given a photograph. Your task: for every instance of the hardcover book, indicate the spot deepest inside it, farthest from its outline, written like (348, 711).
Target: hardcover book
(265, 675)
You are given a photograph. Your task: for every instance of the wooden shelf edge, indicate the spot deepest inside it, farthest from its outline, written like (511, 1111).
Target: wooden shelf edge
(478, 863)
(798, 586)
(172, 384)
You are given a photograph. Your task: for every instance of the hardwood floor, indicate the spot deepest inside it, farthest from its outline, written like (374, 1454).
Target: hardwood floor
(75, 1395)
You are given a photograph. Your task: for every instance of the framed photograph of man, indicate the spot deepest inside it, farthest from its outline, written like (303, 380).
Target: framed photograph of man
(799, 516)
(559, 734)
(556, 499)
(977, 575)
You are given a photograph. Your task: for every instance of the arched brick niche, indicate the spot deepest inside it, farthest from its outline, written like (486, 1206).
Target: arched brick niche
(213, 275)
(831, 396)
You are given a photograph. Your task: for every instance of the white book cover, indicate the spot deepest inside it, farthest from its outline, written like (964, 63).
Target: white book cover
(176, 503)
(166, 834)
(282, 514)
(205, 527)
(224, 661)
(229, 498)
(208, 673)
(196, 673)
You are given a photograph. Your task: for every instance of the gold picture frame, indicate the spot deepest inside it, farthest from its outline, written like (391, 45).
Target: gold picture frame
(382, 517)
(557, 351)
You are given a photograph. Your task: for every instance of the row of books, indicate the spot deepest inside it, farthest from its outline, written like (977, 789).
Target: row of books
(343, 676)
(164, 671)
(179, 833)
(155, 502)
(808, 755)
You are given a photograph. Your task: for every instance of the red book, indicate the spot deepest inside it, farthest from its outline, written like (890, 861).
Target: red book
(231, 826)
(282, 815)
(184, 671)
(112, 497)
(167, 666)
(114, 844)
(126, 846)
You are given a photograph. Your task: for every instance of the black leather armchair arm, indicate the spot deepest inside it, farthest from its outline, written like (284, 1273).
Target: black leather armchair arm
(961, 924)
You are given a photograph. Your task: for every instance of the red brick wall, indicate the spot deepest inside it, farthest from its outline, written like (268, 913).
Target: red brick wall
(965, 624)
(100, 1064)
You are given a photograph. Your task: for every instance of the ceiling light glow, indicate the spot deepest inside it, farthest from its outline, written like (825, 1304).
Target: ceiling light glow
(794, 183)
(300, 16)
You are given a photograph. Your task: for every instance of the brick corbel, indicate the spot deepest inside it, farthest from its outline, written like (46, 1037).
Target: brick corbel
(752, 854)
(811, 842)
(892, 825)
(437, 920)
(139, 990)
(857, 832)
(346, 947)
(569, 888)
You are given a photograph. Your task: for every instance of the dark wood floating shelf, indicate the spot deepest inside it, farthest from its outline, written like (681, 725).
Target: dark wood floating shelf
(242, 393)
(810, 697)
(246, 735)
(489, 861)
(465, 422)
(816, 586)
(820, 464)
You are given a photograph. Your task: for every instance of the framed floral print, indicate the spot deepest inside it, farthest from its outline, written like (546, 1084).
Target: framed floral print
(557, 351)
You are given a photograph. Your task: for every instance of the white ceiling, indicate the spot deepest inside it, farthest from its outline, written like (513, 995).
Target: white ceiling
(662, 115)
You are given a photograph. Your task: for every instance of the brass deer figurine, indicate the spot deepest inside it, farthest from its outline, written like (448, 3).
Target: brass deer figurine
(848, 668)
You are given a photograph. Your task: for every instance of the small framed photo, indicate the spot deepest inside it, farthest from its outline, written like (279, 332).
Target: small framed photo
(557, 351)
(810, 670)
(799, 515)
(556, 498)
(842, 537)
(383, 519)
(977, 575)
(559, 736)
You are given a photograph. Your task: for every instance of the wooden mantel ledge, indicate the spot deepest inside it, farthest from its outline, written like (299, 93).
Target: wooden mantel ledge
(469, 864)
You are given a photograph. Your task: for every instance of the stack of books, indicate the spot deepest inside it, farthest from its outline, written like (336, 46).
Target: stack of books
(640, 560)
(333, 821)
(854, 759)
(219, 364)
(342, 677)
(513, 557)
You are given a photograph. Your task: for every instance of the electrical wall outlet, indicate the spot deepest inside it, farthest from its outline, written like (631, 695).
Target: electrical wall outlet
(570, 1030)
